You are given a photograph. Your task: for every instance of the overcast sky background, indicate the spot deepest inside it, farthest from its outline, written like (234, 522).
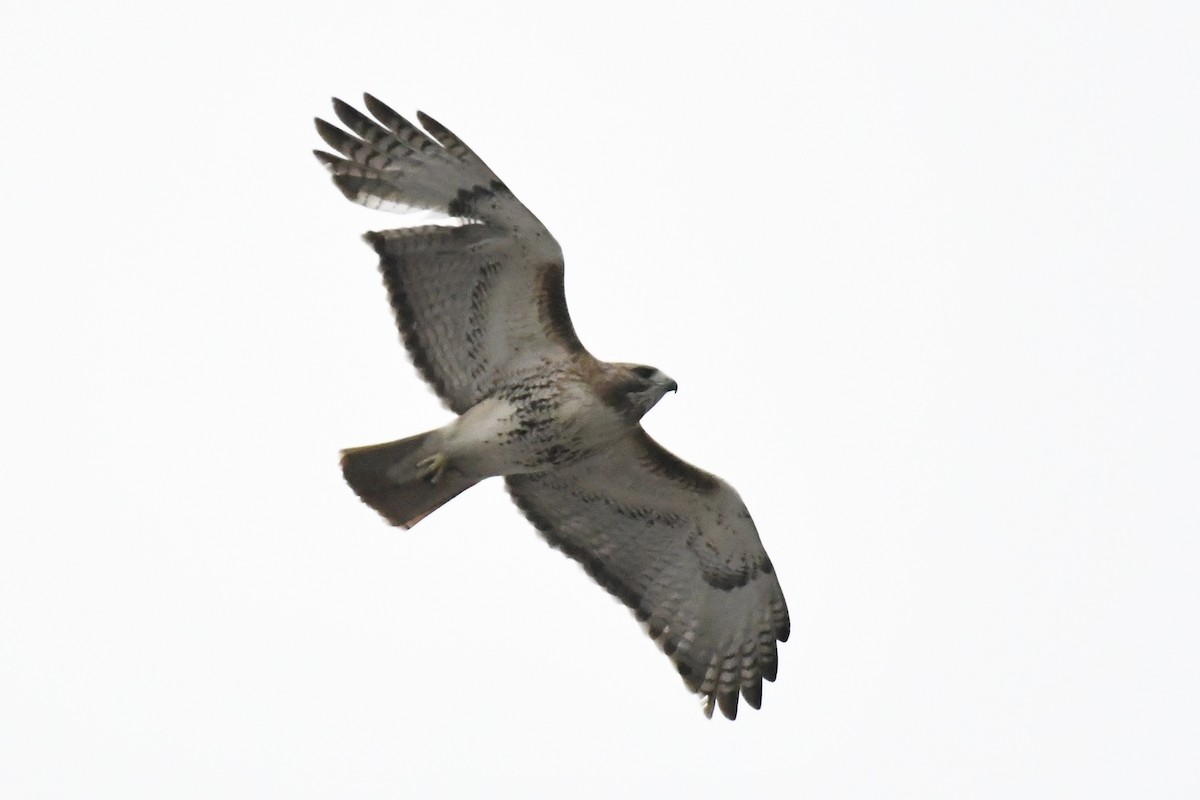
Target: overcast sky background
(926, 272)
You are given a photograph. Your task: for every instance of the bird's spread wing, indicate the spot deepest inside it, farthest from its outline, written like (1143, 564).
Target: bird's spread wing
(676, 545)
(473, 301)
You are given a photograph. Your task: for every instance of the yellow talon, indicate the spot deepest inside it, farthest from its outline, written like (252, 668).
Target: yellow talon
(431, 469)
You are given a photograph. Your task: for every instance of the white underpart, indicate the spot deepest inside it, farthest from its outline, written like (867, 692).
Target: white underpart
(473, 441)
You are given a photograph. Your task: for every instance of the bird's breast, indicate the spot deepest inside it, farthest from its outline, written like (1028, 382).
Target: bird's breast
(532, 424)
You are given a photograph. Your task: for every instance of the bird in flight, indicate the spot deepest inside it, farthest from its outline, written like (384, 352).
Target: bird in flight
(481, 309)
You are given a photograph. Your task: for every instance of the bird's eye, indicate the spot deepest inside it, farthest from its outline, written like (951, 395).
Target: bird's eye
(644, 372)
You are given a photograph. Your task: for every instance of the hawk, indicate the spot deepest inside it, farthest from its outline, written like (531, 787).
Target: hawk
(482, 311)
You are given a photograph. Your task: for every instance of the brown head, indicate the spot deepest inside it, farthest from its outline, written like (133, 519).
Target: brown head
(633, 389)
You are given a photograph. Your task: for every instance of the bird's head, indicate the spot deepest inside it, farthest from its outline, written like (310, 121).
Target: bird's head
(638, 387)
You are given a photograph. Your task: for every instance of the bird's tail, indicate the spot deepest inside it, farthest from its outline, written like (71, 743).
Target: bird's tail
(389, 478)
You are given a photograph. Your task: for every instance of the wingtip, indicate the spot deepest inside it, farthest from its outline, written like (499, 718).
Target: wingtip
(329, 132)
(379, 109)
(432, 125)
(752, 693)
(328, 160)
(728, 701)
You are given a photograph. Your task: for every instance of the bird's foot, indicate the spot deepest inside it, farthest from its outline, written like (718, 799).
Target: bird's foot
(431, 469)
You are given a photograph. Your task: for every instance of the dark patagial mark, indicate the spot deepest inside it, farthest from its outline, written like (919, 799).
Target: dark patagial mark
(552, 308)
(670, 466)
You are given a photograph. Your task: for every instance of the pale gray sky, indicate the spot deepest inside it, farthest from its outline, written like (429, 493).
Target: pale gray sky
(926, 274)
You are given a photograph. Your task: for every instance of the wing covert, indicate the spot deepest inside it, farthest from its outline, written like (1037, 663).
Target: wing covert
(473, 300)
(678, 547)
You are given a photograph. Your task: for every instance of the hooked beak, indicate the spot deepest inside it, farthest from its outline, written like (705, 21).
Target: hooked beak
(672, 386)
